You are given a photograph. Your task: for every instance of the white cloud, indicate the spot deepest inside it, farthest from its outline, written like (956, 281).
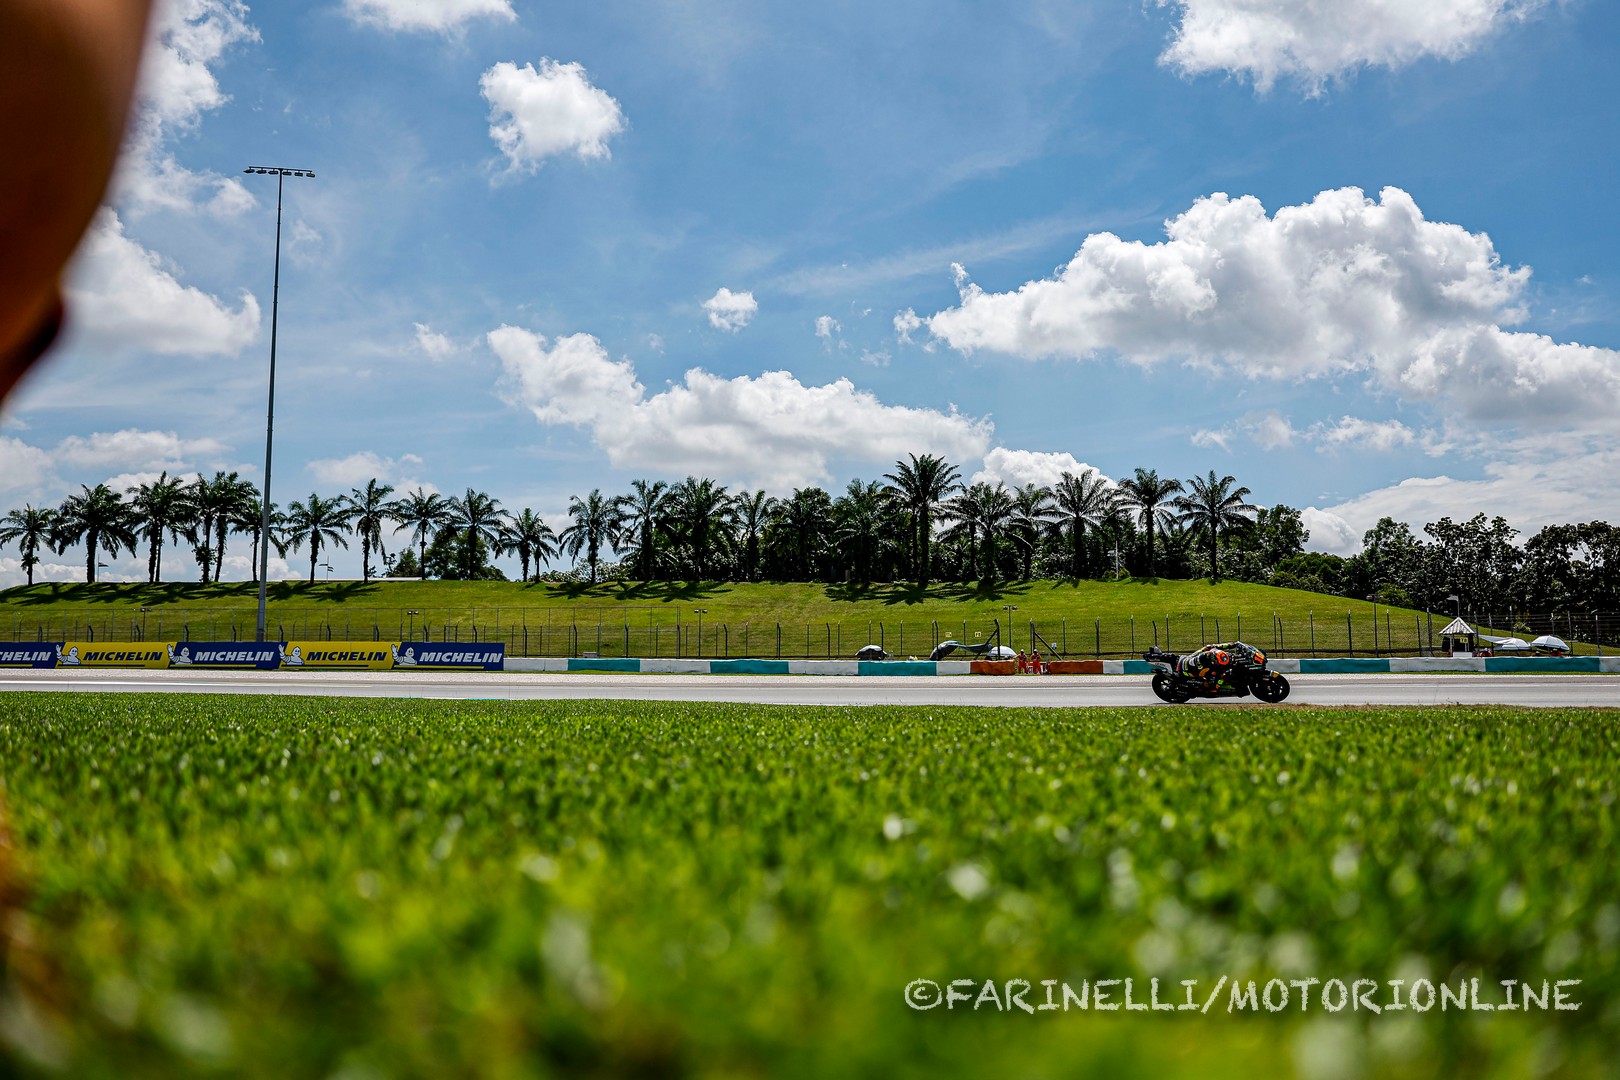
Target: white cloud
(123, 295)
(435, 16)
(1329, 532)
(828, 327)
(133, 450)
(555, 110)
(11, 571)
(177, 86)
(1341, 285)
(23, 468)
(1315, 40)
(904, 323)
(876, 359)
(1269, 430)
(1354, 433)
(1015, 468)
(434, 344)
(770, 430)
(1532, 482)
(731, 311)
(358, 468)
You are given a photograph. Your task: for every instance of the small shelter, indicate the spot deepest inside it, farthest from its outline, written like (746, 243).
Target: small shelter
(1458, 638)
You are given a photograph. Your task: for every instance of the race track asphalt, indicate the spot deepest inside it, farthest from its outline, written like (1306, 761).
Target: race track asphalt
(1048, 692)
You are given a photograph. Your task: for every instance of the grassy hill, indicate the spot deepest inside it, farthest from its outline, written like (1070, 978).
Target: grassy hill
(1078, 618)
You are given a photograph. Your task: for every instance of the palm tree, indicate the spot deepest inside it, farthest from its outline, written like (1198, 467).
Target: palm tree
(1150, 496)
(217, 504)
(1032, 515)
(799, 527)
(700, 514)
(424, 514)
(249, 519)
(528, 534)
(478, 518)
(980, 512)
(1081, 500)
(595, 522)
(921, 485)
(1211, 505)
(319, 522)
(369, 511)
(164, 506)
(751, 511)
(29, 528)
(995, 518)
(100, 517)
(642, 515)
(860, 520)
(237, 499)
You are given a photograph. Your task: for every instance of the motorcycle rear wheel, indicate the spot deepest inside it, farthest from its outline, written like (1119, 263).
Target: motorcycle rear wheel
(1162, 687)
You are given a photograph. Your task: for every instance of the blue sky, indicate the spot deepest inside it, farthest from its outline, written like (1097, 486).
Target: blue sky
(1362, 258)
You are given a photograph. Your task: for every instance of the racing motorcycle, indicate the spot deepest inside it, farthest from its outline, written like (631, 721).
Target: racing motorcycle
(1230, 669)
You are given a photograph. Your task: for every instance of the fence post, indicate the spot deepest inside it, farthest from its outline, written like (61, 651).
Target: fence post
(1240, 626)
(779, 641)
(1350, 633)
(1133, 635)
(1098, 650)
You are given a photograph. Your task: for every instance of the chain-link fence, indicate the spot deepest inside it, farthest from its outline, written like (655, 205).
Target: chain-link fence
(609, 633)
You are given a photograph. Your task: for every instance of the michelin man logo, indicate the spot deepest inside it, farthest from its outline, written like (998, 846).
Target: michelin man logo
(183, 657)
(294, 658)
(406, 660)
(71, 658)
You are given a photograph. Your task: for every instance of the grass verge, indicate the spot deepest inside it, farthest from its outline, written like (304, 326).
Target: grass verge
(316, 887)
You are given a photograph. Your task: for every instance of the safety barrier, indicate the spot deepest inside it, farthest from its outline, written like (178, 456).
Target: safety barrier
(490, 656)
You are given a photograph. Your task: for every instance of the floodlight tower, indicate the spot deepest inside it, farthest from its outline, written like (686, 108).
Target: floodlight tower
(270, 409)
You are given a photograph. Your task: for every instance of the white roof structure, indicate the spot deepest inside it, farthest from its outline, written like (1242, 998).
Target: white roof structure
(1457, 628)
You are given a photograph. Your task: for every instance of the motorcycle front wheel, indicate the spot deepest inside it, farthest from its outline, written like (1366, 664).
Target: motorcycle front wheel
(1273, 688)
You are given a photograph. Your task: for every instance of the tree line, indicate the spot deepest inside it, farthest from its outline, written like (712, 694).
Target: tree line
(920, 522)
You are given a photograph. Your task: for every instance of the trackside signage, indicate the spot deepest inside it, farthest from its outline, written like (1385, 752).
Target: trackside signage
(147, 654)
(263, 656)
(450, 655)
(353, 655)
(28, 653)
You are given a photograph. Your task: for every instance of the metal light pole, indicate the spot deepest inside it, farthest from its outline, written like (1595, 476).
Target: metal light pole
(700, 613)
(270, 409)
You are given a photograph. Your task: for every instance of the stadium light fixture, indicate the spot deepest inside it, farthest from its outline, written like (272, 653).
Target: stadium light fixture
(270, 409)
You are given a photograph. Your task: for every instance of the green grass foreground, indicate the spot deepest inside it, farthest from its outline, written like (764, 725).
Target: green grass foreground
(313, 887)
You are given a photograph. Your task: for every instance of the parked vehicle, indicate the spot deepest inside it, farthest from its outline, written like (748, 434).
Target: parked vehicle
(1229, 669)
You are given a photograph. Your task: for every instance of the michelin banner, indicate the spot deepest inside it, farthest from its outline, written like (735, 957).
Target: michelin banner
(450, 655)
(145, 654)
(261, 656)
(338, 655)
(28, 654)
(399, 655)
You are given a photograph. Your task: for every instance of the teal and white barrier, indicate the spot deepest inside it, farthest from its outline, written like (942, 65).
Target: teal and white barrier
(1344, 665)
